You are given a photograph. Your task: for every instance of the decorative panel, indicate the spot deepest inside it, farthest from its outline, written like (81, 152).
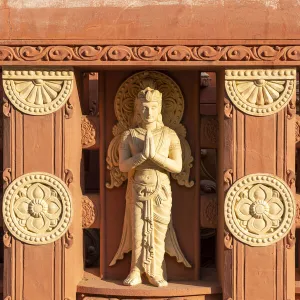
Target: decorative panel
(260, 92)
(37, 208)
(49, 146)
(37, 91)
(257, 141)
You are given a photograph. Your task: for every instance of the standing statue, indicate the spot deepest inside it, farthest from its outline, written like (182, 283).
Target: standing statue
(148, 153)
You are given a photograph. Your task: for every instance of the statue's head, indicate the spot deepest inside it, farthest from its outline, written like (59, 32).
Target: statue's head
(148, 107)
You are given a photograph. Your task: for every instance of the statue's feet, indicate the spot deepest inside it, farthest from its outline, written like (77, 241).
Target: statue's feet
(158, 281)
(134, 278)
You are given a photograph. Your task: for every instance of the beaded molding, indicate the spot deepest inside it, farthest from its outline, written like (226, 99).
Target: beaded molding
(37, 91)
(37, 208)
(260, 92)
(259, 209)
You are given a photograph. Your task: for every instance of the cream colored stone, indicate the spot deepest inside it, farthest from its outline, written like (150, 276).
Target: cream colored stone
(37, 208)
(37, 91)
(172, 112)
(259, 209)
(148, 151)
(260, 92)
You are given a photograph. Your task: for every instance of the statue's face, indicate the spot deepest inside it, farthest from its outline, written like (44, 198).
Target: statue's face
(149, 111)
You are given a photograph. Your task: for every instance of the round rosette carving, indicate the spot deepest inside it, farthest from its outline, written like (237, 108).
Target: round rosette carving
(37, 92)
(37, 208)
(259, 209)
(260, 92)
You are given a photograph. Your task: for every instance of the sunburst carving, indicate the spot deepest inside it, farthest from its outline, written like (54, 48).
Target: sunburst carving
(37, 92)
(260, 92)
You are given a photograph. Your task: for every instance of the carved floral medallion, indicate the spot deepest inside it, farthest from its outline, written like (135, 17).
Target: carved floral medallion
(37, 208)
(260, 92)
(37, 91)
(259, 209)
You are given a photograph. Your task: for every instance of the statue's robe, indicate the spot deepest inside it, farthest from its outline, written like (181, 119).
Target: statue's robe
(148, 228)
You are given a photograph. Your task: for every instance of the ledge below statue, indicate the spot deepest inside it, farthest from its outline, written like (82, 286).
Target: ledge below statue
(92, 285)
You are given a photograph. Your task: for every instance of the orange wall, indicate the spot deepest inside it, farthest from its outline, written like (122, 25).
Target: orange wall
(149, 19)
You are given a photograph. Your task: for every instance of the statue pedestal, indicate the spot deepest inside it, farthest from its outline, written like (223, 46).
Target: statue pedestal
(92, 285)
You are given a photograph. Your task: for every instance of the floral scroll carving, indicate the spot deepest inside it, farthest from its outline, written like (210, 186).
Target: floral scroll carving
(69, 110)
(7, 239)
(68, 177)
(89, 212)
(209, 132)
(291, 178)
(260, 92)
(290, 240)
(259, 209)
(228, 178)
(69, 238)
(6, 175)
(37, 208)
(262, 53)
(6, 107)
(172, 112)
(209, 211)
(297, 129)
(37, 91)
(228, 240)
(88, 131)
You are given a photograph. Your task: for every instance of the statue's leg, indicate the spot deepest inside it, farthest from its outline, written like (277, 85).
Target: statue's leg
(161, 222)
(134, 276)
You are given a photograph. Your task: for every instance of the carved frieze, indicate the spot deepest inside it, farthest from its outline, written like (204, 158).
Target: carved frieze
(37, 208)
(260, 92)
(259, 209)
(222, 53)
(37, 91)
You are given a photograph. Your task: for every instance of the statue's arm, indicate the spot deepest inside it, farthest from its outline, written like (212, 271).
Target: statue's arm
(172, 163)
(126, 160)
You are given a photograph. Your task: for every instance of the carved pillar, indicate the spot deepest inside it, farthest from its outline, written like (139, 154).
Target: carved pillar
(259, 159)
(72, 158)
(40, 201)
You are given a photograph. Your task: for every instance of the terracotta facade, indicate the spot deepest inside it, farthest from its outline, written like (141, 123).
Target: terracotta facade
(64, 68)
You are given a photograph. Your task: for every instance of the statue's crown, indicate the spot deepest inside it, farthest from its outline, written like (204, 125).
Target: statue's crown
(150, 95)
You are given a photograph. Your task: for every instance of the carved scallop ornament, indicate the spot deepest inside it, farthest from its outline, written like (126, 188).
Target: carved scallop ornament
(37, 91)
(259, 209)
(260, 92)
(37, 208)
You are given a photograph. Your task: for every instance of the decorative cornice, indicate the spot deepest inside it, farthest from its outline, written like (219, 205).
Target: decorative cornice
(103, 53)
